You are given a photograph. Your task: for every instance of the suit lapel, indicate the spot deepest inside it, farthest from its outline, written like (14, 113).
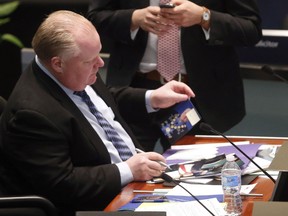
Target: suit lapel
(57, 92)
(101, 89)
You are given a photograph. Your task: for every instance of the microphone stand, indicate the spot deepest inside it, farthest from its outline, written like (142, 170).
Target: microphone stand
(270, 71)
(208, 128)
(170, 179)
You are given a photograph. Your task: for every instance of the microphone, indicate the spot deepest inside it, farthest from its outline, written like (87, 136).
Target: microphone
(170, 179)
(267, 69)
(206, 127)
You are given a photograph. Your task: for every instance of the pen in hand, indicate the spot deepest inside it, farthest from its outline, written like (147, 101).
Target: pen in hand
(160, 162)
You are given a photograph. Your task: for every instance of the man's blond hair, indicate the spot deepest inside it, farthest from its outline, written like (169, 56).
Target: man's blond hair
(56, 35)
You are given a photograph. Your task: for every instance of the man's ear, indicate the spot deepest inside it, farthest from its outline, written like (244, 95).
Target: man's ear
(56, 64)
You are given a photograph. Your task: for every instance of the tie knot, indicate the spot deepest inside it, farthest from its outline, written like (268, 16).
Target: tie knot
(80, 93)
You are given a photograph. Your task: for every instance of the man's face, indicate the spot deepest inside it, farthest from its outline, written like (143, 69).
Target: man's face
(81, 70)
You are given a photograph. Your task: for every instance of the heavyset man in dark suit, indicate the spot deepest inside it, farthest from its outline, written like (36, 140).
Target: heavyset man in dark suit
(51, 144)
(210, 31)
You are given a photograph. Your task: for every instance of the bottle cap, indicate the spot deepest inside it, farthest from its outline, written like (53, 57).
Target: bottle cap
(230, 157)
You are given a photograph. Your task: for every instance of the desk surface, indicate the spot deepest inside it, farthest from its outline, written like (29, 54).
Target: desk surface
(264, 186)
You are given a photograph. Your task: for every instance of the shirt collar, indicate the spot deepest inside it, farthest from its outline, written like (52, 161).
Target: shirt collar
(48, 73)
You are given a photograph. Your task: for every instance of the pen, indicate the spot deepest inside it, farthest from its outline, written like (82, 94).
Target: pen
(251, 194)
(160, 162)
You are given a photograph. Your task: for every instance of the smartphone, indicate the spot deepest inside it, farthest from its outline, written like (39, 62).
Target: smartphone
(150, 198)
(167, 5)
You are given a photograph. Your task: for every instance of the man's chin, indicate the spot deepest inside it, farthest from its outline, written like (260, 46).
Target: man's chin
(93, 80)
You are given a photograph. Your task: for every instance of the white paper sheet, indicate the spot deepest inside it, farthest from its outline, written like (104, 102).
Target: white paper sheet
(192, 146)
(185, 208)
(198, 190)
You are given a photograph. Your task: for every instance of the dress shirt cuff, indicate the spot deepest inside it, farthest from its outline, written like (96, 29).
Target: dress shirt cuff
(149, 108)
(133, 33)
(207, 33)
(125, 173)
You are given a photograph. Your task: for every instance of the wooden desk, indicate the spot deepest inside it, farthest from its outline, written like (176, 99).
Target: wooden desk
(264, 186)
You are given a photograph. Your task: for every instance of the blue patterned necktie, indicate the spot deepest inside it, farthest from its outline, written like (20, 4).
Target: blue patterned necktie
(111, 133)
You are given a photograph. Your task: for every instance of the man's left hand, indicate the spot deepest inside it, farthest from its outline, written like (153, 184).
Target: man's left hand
(169, 94)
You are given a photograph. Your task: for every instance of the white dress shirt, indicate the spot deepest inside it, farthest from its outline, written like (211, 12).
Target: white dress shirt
(149, 60)
(125, 172)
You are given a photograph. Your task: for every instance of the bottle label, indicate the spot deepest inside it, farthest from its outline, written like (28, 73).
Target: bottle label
(231, 181)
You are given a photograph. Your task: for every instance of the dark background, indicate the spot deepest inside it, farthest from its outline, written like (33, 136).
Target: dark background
(274, 14)
(26, 19)
(23, 24)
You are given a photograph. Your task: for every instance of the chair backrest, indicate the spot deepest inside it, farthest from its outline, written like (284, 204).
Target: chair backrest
(2, 104)
(27, 55)
(26, 206)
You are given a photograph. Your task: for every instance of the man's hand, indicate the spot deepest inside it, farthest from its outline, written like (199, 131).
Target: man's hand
(144, 166)
(149, 20)
(169, 94)
(185, 13)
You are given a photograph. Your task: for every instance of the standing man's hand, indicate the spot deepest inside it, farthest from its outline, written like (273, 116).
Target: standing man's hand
(185, 13)
(149, 19)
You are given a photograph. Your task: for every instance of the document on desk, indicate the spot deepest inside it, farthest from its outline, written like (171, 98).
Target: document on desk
(185, 208)
(193, 146)
(200, 169)
(203, 151)
(202, 190)
(263, 158)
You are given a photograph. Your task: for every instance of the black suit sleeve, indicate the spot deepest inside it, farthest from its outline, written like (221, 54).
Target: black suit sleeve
(131, 102)
(110, 21)
(235, 23)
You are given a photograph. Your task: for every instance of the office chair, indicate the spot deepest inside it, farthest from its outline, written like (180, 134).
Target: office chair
(26, 206)
(27, 55)
(2, 104)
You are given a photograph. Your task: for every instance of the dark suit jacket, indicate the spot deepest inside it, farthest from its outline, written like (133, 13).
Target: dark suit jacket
(48, 148)
(212, 65)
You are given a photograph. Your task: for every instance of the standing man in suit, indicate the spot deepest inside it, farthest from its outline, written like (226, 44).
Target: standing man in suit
(53, 143)
(210, 31)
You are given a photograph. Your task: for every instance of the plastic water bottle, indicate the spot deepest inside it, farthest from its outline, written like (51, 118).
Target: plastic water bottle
(231, 184)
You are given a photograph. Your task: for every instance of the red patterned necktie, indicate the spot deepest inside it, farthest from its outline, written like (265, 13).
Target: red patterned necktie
(168, 58)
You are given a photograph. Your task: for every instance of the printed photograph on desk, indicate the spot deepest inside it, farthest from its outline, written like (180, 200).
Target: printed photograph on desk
(178, 120)
(203, 168)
